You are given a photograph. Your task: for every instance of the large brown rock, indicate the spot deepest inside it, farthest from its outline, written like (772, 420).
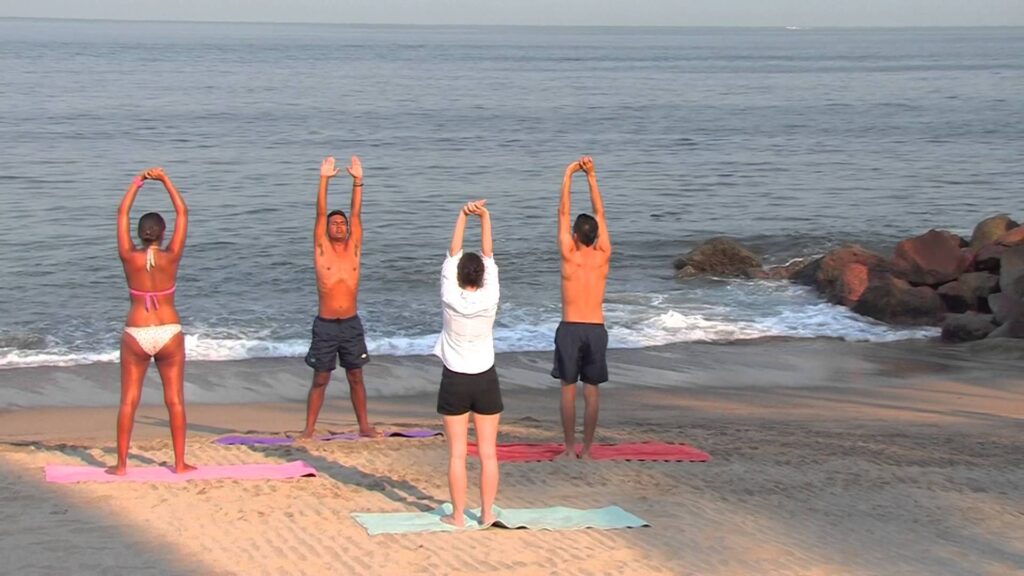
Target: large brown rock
(1004, 307)
(1012, 328)
(1013, 237)
(896, 301)
(719, 256)
(969, 292)
(843, 274)
(1011, 272)
(932, 258)
(987, 259)
(990, 229)
(954, 298)
(967, 327)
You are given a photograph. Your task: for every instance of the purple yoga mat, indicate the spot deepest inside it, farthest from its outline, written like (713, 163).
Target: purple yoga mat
(280, 440)
(70, 474)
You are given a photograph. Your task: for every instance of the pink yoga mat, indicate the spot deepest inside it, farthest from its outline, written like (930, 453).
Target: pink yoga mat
(640, 451)
(71, 474)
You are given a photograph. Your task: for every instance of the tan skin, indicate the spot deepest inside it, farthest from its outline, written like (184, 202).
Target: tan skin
(584, 275)
(456, 428)
(170, 360)
(337, 245)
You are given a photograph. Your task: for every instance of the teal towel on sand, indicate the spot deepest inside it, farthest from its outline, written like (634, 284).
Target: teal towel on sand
(554, 518)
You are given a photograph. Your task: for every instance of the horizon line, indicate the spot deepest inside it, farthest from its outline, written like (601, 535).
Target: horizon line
(436, 25)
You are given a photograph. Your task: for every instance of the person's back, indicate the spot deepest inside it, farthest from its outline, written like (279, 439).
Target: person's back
(466, 343)
(581, 339)
(584, 276)
(151, 273)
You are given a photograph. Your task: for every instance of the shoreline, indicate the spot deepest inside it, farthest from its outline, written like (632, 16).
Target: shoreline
(792, 362)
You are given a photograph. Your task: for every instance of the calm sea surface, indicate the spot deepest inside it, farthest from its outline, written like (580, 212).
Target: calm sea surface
(793, 141)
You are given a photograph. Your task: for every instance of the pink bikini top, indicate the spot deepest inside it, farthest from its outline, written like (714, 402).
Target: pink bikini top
(151, 296)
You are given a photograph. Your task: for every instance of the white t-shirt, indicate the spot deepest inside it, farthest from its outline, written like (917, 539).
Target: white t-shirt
(466, 343)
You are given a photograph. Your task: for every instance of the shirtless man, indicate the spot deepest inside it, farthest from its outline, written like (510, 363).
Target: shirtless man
(337, 331)
(581, 339)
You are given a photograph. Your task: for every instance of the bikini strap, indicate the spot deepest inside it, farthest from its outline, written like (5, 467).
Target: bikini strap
(151, 296)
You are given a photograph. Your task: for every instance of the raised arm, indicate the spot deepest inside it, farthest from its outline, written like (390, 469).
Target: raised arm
(355, 222)
(565, 242)
(486, 244)
(604, 239)
(125, 244)
(327, 171)
(460, 230)
(177, 245)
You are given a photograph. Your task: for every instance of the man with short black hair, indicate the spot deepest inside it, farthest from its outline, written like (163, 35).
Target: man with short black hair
(581, 340)
(337, 330)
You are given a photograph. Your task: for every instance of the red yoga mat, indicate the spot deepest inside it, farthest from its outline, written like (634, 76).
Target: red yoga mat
(637, 451)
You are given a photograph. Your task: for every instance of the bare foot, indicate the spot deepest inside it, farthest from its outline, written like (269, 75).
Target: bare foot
(183, 468)
(487, 519)
(585, 455)
(119, 470)
(453, 520)
(305, 436)
(370, 432)
(569, 454)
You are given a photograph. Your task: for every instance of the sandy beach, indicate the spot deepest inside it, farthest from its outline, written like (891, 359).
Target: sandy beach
(828, 458)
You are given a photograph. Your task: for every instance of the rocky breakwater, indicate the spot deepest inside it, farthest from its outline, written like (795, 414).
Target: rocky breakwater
(973, 288)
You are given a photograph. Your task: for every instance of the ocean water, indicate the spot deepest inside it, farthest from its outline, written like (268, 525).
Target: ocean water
(792, 141)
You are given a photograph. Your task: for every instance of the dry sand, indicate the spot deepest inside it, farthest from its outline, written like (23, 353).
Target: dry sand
(828, 458)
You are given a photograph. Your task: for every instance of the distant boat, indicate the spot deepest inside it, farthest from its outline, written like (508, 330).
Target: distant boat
(793, 28)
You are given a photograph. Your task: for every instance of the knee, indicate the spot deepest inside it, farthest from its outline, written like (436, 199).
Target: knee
(488, 454)
(355, 378)
(457, 455)
(130, 401)
(174, 403)
(320, 379)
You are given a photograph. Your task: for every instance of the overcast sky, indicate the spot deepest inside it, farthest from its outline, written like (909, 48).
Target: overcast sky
(567, 12)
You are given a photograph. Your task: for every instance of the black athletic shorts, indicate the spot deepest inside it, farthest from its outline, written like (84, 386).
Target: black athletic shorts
(477, 393)
(580, 349)
(338, 340)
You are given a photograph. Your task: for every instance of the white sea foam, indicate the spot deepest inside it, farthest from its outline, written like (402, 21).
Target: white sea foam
(54, 357)
(629, 327)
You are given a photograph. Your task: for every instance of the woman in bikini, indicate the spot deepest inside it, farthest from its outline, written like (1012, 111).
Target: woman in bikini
(153, 328)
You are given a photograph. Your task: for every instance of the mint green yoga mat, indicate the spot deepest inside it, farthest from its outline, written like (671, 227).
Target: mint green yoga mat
(554, 518)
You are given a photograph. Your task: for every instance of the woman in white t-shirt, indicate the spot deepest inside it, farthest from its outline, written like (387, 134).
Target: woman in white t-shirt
(469, 382)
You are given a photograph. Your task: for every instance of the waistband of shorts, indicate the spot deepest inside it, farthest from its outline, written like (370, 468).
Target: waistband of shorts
(568, 323)
(445, 369)
(337, 320)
